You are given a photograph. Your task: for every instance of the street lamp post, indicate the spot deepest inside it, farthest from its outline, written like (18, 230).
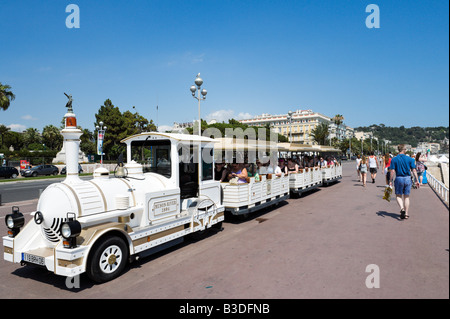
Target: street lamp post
(362, 145)
(350, 144)
(289, 117)
(371, 135)
(100, 137)
(201, 95)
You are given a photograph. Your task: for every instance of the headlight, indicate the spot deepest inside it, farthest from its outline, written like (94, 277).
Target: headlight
(9, 221)
(70, 230)
(65, 230)
(14, 221)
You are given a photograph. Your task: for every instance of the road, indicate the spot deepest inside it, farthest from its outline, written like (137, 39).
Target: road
(24, 189)
(325, 244)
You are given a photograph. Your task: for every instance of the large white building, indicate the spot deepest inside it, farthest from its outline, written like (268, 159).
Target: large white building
(298, 127)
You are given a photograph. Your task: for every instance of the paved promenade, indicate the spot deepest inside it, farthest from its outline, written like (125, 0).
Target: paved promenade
(316, 246)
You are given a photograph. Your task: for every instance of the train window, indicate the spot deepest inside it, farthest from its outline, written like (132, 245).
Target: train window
(207, 163)
(188, 168)
(153, 155)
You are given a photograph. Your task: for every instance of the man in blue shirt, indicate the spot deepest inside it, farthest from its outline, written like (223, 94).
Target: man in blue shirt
(402, 165)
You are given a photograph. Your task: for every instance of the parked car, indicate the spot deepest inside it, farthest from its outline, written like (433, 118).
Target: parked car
(8, 172)
(63, 170)
(40, 170)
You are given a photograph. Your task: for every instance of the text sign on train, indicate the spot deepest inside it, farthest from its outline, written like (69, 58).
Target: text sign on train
(164, 207)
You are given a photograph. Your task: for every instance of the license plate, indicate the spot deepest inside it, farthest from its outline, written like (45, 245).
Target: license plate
(38, 260)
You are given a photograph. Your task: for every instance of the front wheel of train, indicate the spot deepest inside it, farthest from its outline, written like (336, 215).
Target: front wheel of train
(107, 260)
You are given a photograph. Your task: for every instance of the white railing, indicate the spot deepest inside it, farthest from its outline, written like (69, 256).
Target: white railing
(438, 187)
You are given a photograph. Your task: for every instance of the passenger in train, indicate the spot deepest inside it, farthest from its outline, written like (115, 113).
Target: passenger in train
(330, 161)
(252, 171)
(292, 167)
(273, 168)
(261, 168)
(305, 161)
(311, 161)
(282, 165)
(246, 165)
(299, 162)
(220, 172)
(308, 162)
(237, 170)
(316, 161)
(322, 162)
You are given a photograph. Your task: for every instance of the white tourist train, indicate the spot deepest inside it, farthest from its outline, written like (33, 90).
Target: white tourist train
(165, 191)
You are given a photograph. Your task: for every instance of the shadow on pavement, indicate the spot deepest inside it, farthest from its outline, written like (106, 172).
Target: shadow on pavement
(392, 215)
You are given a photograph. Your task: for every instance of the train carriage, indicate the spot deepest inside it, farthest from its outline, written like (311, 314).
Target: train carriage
(253, 195)
(311, 177)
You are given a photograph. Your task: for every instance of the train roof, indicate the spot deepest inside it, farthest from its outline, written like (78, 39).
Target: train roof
(228, 143)
(172, 136)
(295, 147)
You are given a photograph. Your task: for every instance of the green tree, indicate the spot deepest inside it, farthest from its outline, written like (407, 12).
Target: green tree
(119, 126)
(31, 136)
(87, 144)
(52, 138)
(14, 139)
(112, 118)
(134, 123)
(338, 119)
(320, 133)
(6, 96)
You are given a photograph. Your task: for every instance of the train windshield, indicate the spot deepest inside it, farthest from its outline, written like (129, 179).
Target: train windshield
(153, 155)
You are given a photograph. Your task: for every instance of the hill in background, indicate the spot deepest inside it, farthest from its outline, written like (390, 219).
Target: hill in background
(413, 135)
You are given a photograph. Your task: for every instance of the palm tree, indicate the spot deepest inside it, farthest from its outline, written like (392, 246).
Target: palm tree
(6, 96)
(338, 119)
(320, 133)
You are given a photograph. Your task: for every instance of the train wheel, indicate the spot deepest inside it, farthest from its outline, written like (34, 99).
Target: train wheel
(107, 260)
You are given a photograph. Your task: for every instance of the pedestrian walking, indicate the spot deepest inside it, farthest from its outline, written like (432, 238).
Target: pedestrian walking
(402, 166)
(358, 161)
(420, 166)
(373, 166)
(386, 163)
(363, 164)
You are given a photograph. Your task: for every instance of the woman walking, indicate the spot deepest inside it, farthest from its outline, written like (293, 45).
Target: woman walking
(420, 166)
(363, 164)
(386, 164)
(358, 161)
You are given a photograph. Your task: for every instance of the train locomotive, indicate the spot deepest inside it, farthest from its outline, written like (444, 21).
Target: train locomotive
(96, 226)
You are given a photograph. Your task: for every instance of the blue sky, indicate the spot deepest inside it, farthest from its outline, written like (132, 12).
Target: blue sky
(254, 57)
